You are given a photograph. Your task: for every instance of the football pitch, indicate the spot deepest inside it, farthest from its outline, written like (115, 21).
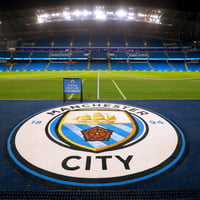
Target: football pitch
(48, 85)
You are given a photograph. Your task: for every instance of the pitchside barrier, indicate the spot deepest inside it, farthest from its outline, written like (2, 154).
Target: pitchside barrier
(72, 86)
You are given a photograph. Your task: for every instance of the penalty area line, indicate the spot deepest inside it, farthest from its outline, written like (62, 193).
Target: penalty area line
(119, 90)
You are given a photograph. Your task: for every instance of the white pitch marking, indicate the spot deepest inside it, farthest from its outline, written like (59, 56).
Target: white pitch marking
(119, 90)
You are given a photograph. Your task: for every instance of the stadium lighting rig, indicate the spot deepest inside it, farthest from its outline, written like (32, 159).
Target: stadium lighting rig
(100, 13)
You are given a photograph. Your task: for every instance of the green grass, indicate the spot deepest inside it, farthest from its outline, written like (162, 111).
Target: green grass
(113, 85)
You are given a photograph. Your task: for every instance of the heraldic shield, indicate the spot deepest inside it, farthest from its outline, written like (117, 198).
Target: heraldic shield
(96, 130)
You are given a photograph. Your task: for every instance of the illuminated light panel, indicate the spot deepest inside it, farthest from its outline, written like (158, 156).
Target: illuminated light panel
(100, 13)
(121, 13)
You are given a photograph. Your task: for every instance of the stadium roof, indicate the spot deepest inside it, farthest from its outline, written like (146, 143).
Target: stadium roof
(179, 19)
(169, 4)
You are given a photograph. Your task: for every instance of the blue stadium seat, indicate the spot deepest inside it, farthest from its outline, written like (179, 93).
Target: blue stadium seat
(5, 54)
(80, 41)
(193, 54)
(19, 65)
(99, 54)
(141, 66)
(57, 66)
(178, 65)
(99, 40)
(21, 54)
(36, 66)
(117, 41)
(176, 54)
(79, 65)
(135, 41)
(44, 42)
(153, 42)
(4, 67)
(161, 66)
(119, 65)
(62, 41)
(193, 67)
(99, 65)
(158, 55)
(40, 55)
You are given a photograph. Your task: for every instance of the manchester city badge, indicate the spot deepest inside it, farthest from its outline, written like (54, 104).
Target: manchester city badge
(79, 145)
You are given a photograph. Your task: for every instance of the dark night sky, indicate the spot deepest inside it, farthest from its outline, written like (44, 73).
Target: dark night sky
(185, 5)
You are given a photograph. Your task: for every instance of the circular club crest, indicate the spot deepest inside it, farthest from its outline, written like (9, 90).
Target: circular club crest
(96, 145)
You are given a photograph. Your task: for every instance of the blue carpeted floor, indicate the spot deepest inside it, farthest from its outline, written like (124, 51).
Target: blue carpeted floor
(185, 113)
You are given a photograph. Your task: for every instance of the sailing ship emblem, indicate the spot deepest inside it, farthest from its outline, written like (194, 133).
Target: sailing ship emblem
(96, 117)
(96, 130)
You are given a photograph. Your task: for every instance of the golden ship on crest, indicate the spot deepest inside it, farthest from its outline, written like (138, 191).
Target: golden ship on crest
(97, 118)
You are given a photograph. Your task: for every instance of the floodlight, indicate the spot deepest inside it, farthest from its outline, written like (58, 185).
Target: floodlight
(66, 15)
(110, 13)
(86, 13)
(141, 15)
(77, 13)
(157, 21)
(131, 14)
(40, 20)
(121, 13)
(100, 15)
(55, 14)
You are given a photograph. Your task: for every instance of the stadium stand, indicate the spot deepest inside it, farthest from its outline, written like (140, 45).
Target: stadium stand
(99, 41)
(44, 42)
(178, 65)
(4, 54)
(56, 66)
(153, 42)
(35, 66)
(79, 55)
(135, 41)
(101, 52)
(21, 54)
(62, 41)
(59, 55)
(116, 41)
(4, 67)
(157, 55)
(161, 66)
(99, 65)
(37, 55)
(26, 43)
(118, 54)
(80, 41)
(138, 55)
(19, 65)
(193, 54)
(193, 67)
(120, 65)
(78, 65)
(141, 66)
(176, 54)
